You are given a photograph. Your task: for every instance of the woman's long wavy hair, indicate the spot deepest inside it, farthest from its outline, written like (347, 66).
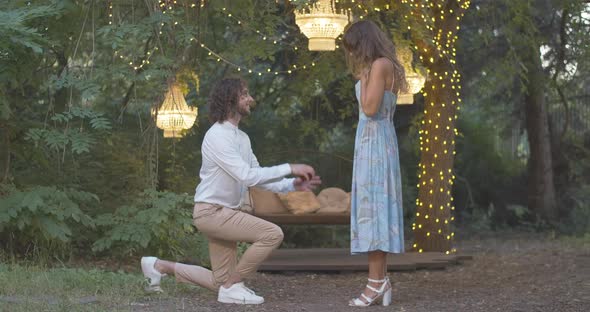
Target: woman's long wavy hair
(223, 99)
(363, 43)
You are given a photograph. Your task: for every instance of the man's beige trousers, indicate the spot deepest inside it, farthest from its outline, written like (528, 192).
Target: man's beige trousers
(224, 227)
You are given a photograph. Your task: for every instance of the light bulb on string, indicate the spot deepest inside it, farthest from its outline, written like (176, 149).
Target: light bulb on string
(275, 40)
(220, 58)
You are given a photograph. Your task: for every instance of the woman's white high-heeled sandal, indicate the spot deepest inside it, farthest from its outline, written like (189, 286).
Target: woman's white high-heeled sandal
(383, 292)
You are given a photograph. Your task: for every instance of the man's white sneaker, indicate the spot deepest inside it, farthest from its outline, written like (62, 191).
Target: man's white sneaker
(151, 274)
(238, 293)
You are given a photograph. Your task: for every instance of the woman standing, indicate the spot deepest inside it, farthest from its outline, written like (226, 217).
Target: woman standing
(376, 203)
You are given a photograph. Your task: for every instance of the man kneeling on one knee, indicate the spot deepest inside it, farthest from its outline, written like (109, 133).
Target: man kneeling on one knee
(228, 168)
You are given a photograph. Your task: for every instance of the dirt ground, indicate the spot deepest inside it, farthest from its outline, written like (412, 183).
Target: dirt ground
(518, 272)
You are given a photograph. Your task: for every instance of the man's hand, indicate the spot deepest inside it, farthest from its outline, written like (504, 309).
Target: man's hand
(307, 185)
(305, 172)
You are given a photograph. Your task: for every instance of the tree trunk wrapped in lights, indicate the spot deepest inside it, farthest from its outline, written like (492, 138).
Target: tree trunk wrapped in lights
(434, 26)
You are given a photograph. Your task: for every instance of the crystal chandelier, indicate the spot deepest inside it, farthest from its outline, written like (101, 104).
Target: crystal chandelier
(415, 84)
(322, 23)
(174, 115)
(415, 80)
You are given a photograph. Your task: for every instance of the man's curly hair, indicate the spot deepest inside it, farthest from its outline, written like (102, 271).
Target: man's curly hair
(223, 99)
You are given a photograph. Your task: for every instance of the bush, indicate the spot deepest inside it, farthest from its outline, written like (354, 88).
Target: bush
(489, 183)
(157, 222)
(572, 183)
(42, 217)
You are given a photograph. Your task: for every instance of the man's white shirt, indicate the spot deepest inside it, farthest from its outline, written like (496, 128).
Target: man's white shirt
(229, 167)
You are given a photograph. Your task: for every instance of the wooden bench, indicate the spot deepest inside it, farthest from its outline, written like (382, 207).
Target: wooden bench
(268, 206)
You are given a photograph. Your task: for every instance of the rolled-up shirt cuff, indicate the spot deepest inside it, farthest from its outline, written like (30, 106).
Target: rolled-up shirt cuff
(285, 169)
(289, 186)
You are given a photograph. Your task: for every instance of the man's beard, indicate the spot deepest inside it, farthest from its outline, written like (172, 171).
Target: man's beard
(243, 111)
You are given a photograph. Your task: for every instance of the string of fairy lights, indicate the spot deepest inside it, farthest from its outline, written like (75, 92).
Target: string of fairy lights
(110, 12)
(240, 68)
(170, 3)
(279, 41)
(275, 41)
(263, 36)
(168, 6)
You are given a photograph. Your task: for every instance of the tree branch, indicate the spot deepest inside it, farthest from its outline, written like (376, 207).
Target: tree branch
(137, 72)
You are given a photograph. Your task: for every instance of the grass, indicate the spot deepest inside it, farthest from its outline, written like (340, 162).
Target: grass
(579, 241)
(38, 288)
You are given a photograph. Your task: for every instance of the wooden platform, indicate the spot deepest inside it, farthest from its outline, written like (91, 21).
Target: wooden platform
(340, 260)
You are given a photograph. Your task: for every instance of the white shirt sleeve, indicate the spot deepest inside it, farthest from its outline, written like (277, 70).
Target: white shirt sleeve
(282, 186)
(225, 154)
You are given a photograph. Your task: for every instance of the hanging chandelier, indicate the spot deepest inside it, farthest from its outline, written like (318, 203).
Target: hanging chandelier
(322, 23)
(174, 115)
(415, 79)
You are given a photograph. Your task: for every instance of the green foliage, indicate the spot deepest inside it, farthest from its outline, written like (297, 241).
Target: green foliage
(497, 45)
(113, 170)
(72, 132)
(20, 40)
(179, 168)
(157, 221)
(480, 155)
(42, 215)
(15, 33)
(575, 199)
